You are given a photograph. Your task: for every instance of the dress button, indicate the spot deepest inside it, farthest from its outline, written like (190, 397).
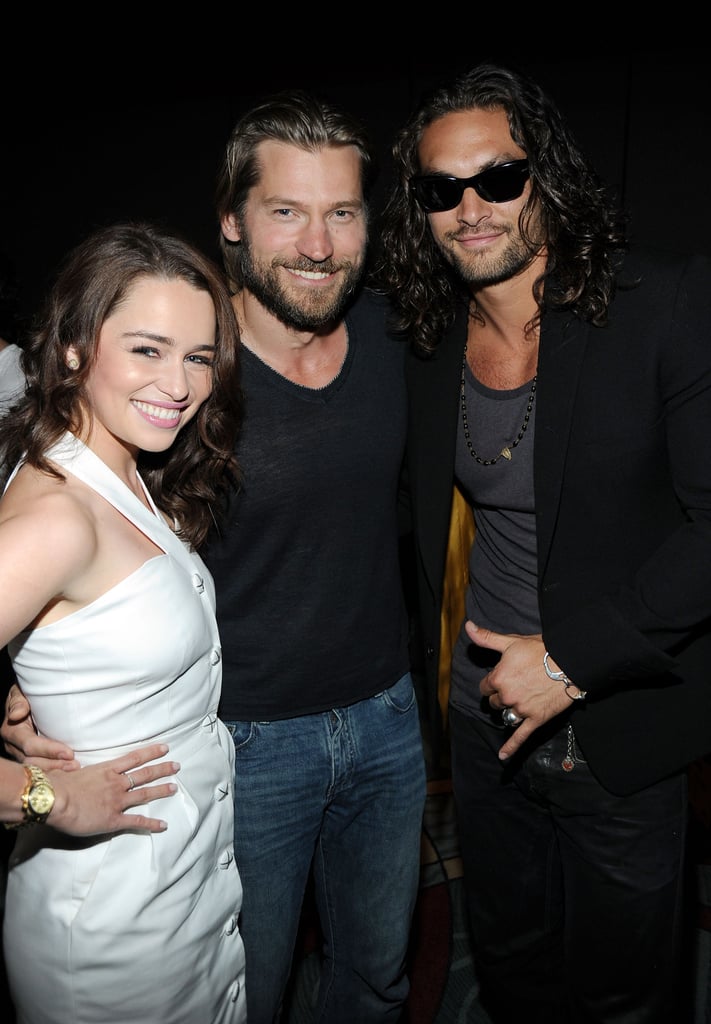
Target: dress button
(198, 582)
(231, 926)
(236, 989)
(215, 656)
(222, 789)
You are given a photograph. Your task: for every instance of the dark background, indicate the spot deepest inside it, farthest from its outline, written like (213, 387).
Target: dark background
(139, 134)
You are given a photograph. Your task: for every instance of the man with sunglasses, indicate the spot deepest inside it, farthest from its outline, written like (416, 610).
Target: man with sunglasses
(560, 381)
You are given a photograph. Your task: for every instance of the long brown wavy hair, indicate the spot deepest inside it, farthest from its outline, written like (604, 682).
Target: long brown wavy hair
(583, 228)
(190, 481)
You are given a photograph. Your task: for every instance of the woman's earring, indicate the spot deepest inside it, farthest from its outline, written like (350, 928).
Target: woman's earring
(73, 363)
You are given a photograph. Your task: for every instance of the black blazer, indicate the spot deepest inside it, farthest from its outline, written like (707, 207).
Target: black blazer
(622, 480)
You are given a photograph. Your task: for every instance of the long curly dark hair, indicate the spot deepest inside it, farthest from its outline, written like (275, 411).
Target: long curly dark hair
(190, 481)
(582, 226)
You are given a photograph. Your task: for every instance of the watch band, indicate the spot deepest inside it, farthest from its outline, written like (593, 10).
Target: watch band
(35, 778)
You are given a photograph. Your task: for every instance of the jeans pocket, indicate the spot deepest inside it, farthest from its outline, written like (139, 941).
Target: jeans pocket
(401, 696)
(242, 733)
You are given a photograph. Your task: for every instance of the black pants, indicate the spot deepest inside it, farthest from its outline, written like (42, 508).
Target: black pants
(574, 895)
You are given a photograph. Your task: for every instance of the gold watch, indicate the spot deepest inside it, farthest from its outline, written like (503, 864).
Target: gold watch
(37, 797)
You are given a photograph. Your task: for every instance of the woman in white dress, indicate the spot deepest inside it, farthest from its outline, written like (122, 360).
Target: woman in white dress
(122, 451)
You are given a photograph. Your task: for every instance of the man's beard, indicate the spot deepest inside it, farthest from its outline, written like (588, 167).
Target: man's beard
(480, 269)
(313, 308)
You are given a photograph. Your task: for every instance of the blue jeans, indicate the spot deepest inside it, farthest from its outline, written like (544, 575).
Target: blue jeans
(344, 790)
(574, 895)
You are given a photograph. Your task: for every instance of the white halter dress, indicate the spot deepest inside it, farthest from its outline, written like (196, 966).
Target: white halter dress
(138, 927)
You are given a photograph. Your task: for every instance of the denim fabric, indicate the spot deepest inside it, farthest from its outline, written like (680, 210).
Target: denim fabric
(574, 894)
(344, 789)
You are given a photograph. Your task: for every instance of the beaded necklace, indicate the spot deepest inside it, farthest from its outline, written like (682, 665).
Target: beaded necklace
(507, 450)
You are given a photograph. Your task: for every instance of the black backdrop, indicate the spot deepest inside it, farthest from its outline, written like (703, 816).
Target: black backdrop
(136, 139)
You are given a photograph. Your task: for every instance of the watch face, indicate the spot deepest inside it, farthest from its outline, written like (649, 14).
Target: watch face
(41, 798)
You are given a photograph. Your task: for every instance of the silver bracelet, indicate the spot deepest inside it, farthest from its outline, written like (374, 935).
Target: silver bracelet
(561, 677)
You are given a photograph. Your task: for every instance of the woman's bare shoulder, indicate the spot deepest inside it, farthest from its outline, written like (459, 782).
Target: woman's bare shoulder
(50, 509)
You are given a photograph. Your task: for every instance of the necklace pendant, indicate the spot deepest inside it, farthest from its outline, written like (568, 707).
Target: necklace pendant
(507, 451)
(567, 764)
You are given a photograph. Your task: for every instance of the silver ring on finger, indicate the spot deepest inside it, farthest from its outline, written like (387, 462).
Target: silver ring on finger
(510, 717)
(131, 781)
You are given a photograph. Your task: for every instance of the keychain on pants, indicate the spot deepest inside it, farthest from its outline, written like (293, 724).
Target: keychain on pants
(568, 762)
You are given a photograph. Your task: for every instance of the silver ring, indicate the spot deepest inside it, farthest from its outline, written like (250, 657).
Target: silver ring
(510, 717)
(131, 782)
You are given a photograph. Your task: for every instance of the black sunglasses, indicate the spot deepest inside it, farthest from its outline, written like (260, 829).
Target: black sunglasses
(499, 184)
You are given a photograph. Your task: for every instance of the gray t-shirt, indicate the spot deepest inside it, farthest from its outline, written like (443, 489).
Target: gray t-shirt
(503, 582)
